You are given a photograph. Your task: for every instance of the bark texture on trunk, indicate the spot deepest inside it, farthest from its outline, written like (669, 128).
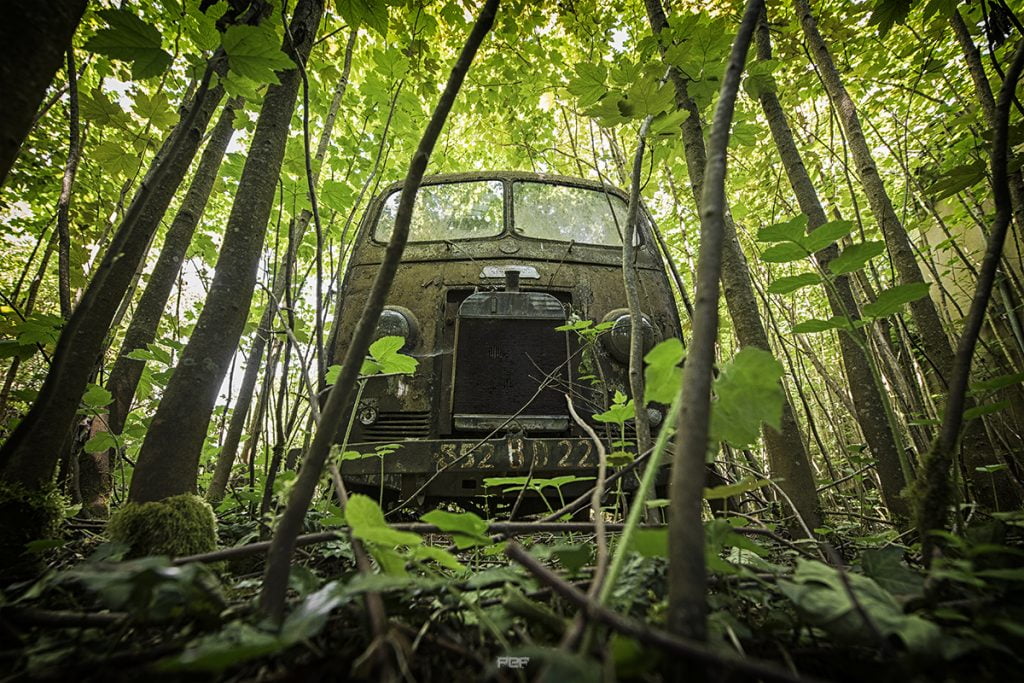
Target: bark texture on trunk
(787, 456)
(31, 453)
(169, 460)
(868, 403)
(34, 36)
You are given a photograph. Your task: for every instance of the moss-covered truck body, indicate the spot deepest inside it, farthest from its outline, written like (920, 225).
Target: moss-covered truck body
(494, 264)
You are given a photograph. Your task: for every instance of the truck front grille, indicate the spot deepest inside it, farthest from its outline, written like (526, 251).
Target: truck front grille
(398, 426)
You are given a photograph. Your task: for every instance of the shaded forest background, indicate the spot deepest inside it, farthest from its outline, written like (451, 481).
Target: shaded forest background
(181, 186)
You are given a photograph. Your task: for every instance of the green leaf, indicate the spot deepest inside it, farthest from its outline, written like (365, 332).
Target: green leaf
(254, 52)
(649, 96)
(893, 299)
(573, 557)
(730, 490)
(366, 520)
(997, 383)
(100, 442)
(836, 322)
(618, 413)
(467, 528)
(438, 555)
(370, 13)
(100, 109)
(114, 159)
(651, 542)
(791, 283)
(826, 234)
(986, 409)
(790, 231)
(957, 179)
(385, 352)
(155, 108)
(663, 376)
(748, 393)
(96, 397)
(589, 83)
(784, 252)
(885, 565)
(669, 122)
(886, 13)
(855, 256)
(127, 38)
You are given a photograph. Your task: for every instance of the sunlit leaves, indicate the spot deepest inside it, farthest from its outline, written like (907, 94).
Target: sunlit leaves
(370, 13)
(155, 108)
(254, 52)
(95, 106)
(589, 83)
(385, 357)
(96, 397)
(836, 322)
(747, 393)
(115, 159)
(886, 13)
(366, 520)
(128, 38)
(100, 442)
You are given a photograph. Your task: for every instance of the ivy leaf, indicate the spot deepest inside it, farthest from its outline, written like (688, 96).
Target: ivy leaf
(128, 38)
(589, 83)
(826, 234)
(662, 376)
(254, 52)
(748, 393)
(785, 285)
(886, 13)
(855, 256)
(370, 13)
(893, 299)
(96, 397)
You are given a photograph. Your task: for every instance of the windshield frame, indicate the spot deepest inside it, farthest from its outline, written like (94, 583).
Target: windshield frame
(508, 217)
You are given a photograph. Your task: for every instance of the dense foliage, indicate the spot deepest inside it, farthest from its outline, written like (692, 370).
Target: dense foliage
(827, 577)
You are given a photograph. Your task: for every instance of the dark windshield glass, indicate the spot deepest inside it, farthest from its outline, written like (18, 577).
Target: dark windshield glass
(453, 211)
(563, 212)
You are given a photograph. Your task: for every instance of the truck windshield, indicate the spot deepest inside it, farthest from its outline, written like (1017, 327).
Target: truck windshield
(452, 211)
(563, 212)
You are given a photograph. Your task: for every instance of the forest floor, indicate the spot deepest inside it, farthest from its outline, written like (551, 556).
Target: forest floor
(473, 613)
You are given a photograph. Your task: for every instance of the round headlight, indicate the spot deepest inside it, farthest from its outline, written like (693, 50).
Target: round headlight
(397, 321)
(616, 340)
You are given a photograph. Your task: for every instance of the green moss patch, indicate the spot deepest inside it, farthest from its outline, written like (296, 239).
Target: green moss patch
(176, 526)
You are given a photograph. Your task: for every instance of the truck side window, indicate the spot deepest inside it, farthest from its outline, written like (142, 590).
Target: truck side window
(451, 211)
(564, 212)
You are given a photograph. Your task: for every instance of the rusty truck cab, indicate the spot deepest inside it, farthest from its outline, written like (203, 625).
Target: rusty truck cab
(495, 263)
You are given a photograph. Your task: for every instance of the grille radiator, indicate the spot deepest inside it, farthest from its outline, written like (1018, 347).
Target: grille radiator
(398, 426)
(503, 356)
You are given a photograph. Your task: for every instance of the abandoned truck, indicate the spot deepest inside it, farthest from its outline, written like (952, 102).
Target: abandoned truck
(496, 263)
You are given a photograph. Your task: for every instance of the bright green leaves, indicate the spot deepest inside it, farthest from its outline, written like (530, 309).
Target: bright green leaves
(836, 322)
(127, 38)
(96, 107)
(370, 13)
(793, 243)
(623, 94)
(893, 299)
(589, 83)
(887, 13)
(155, 108)
(620, 410)
(760, 77)
(855, 256)
(747, 393)
(366, 520)
(663, 376)
(386, 359)
(254, 52)
(100, 442)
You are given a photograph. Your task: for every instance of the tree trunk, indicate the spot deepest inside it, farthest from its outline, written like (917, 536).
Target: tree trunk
(787, 456)
(94, 468)
(68, 181)
(33, 39)
(169, 460)
(869, 403)
(31, 452)
(229, 449)
(976, 447)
